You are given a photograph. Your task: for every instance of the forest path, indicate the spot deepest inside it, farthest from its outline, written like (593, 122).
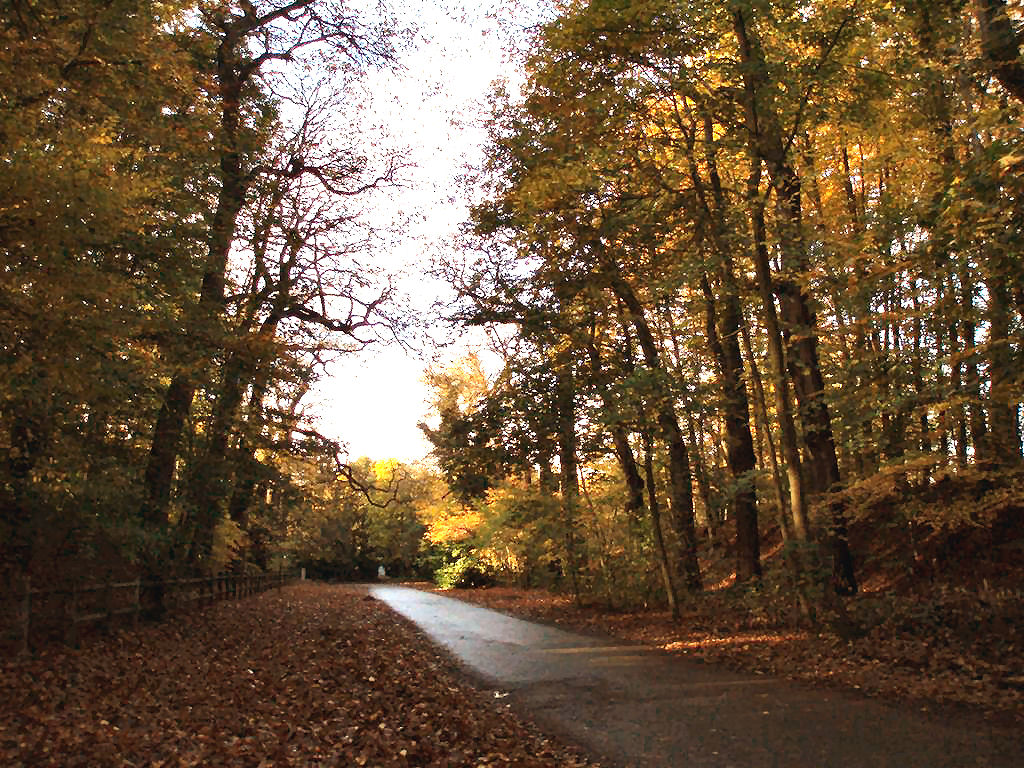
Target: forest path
(644, 708)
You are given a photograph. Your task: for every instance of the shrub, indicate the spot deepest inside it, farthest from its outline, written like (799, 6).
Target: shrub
(468, 571)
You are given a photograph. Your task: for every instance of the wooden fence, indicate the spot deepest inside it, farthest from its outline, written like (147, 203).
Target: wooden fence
(81, 605)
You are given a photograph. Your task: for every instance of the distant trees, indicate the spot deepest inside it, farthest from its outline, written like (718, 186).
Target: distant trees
(777, 248)
(349, 526)
(178, 220)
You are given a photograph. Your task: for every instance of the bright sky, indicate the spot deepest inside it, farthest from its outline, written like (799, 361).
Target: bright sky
(372, 401)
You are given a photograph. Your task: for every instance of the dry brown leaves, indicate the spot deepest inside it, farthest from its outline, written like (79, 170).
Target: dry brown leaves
(312, 675)
(917, 657)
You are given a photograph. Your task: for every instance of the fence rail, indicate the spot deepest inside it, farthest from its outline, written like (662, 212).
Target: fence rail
(81, 605)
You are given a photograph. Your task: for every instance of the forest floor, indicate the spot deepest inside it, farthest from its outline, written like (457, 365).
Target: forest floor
(310, 675)
(950, 649)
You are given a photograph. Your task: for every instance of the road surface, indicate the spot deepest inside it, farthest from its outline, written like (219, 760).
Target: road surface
(643, 708)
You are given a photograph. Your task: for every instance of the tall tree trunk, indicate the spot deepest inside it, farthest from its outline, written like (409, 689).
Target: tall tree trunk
(211, 477)
(1004, 435)
(245, 455)
(567, 456)
(938, 109)
(664, 562)
(206, 316)
(1000, 45)
(545, 474)
(925, 438)
(680, 478)
(777, 357)
(723, 330)
(712, 510)
(761, 419)
(972, 376)
(620, 438)
(800, 322)
(739, 445)
(956, 381)
(860, 360)
(703, 485)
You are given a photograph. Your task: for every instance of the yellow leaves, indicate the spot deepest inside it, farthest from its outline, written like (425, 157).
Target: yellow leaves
(1007, 162)
(460, 384)
(448, 523)
(385, 469)
(100, 138)
(228, 537)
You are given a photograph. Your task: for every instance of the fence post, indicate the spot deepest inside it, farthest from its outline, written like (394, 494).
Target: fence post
(71, 608)
(108, 600)
(138, 602)
(26, 615)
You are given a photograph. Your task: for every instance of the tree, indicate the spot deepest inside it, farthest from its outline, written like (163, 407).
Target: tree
(102, 141)
(244, 43)
(124, 224)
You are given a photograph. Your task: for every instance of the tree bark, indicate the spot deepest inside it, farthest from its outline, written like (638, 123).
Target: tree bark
(1000, 45)
(656, 531)
(1004, 433)
(972, 376)
(739, 444)
(703, 485)
(777, 357)
(722, 328)
(762, 422)
(202, 329)
(620, 438)
(800, 323)
(680, 478)
(569, 476)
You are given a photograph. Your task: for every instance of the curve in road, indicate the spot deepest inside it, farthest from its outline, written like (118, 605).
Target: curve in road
(642, 707)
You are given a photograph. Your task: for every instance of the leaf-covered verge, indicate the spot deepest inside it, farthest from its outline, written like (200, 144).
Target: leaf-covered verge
(311, 675)
(951, 648)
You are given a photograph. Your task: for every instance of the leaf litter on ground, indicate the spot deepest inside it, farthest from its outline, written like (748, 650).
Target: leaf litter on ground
(311, 675)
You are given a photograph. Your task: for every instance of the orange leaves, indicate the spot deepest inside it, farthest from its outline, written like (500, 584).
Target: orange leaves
(314, 675)
(449, 522)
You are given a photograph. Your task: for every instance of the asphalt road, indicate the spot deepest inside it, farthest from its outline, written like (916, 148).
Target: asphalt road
(643, 708)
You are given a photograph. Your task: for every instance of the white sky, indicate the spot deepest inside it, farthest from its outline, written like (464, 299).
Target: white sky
(372, 401)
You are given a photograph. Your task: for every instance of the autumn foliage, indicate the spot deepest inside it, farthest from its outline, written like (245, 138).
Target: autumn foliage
(310, 675)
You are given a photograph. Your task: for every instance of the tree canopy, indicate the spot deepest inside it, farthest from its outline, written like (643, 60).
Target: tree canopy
(755, 266)
(770, 251)
(181, 235)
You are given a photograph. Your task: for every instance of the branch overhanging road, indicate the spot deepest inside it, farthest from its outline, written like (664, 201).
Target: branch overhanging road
(642, 707)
